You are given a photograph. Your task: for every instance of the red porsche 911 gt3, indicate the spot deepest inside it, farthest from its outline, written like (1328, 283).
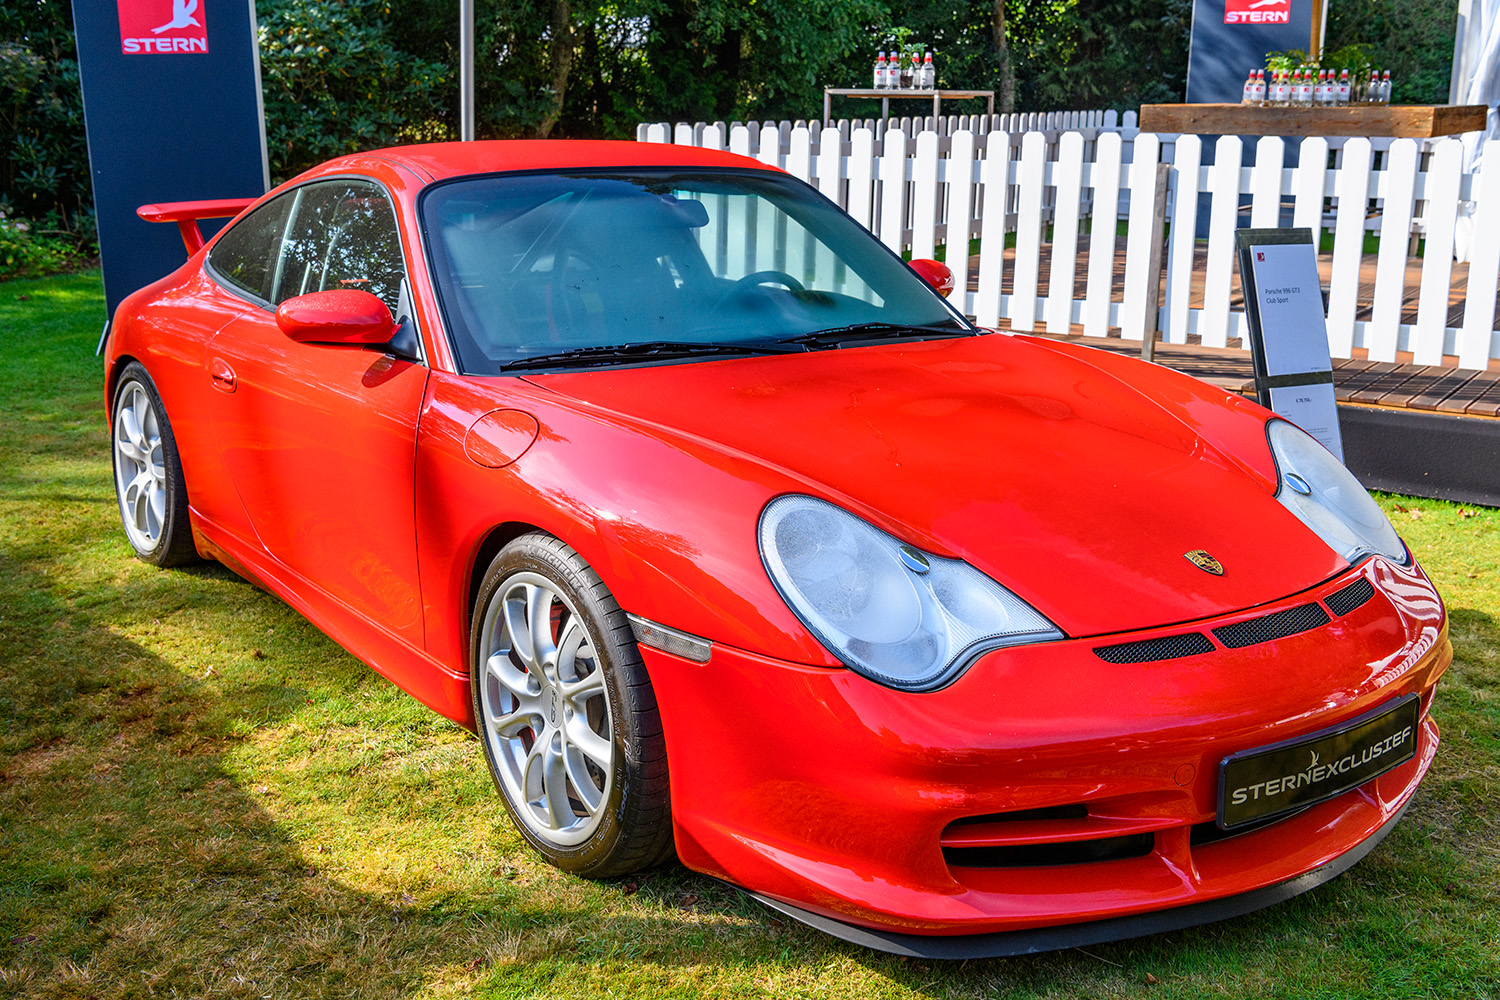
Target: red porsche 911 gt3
(729, 536)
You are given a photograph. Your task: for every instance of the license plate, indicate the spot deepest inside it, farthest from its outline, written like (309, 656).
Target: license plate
(1266, 782)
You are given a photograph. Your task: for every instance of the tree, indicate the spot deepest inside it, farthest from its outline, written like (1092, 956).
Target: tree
(1413, 39)
(725, 59)
(1007, 72)
(335, 82)
(44, 166)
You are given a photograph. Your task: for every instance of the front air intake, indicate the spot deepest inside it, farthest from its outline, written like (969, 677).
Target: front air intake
(1346, 599)
(1073, 852)
(1274, 626)
(1169, 647)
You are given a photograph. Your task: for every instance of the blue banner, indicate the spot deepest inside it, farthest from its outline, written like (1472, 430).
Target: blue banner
(172, 109)
(1232, 37)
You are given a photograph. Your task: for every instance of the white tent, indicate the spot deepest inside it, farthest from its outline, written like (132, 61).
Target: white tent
(1476, 80)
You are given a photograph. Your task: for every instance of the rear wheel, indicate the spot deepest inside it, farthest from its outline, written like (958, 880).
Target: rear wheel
(566, 713)
(148, 473)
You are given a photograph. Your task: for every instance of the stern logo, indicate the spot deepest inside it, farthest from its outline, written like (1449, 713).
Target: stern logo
(158, 27)
(1257, 11)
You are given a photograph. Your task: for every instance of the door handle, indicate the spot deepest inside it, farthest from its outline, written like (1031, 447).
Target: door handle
(221, 374)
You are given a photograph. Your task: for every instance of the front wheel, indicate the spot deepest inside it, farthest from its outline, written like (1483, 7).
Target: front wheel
(566, 713)
(148, 473)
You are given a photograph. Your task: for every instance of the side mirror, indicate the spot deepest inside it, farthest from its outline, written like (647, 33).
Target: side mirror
(341, 316)
(935, 273)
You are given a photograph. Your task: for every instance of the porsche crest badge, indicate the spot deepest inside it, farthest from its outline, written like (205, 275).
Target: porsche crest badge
(1204, 561)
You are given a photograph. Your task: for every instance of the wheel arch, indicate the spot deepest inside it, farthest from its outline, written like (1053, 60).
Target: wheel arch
(489, 546)
(117, 366)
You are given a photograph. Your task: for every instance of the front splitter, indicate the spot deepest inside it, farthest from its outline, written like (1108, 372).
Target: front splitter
(1007, 944)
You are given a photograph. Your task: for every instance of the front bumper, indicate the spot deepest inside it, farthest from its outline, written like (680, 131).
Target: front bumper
(1087, 790)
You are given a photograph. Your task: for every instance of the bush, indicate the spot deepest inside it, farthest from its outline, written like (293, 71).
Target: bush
(335, 82)
(27, 254)
(1411, 38)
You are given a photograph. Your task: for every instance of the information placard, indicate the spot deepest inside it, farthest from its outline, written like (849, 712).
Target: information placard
(1288, 332)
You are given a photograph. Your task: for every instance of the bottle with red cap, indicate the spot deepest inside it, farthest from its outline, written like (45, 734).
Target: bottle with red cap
(1303, 96)
(880, 71)
(1343, 89)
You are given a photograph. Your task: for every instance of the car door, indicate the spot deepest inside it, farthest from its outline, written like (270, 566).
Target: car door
(319, 440)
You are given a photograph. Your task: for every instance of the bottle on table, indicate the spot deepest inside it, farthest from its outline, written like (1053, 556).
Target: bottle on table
(1343, 91)
(880, 71)
(929, 74)
(1385, 88)
(1281, 92)
(1258, 98)
(1248, 90)
(1302, 89)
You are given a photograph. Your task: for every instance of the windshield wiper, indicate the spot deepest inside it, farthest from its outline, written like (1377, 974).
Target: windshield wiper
(654, 349)
(873, 331)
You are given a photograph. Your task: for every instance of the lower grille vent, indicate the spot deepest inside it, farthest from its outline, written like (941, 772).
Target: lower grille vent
(1075, 852)
(1346, 599)
(1077, 810)
(1169, 647)
(1274, 626)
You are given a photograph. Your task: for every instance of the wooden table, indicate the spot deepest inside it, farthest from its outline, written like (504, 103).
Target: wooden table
(1399, 121)
(936, 96)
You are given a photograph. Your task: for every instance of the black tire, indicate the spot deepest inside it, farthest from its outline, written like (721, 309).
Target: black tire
(152, 496)
(546, 710)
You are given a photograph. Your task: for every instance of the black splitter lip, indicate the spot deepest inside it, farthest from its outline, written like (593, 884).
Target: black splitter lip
(1008, 944)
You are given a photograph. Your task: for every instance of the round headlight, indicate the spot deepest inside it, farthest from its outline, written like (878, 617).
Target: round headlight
(899, 616)
(1327, 498)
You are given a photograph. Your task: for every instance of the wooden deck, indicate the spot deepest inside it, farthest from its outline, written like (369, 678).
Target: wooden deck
(1356, 381)
(1411, 286)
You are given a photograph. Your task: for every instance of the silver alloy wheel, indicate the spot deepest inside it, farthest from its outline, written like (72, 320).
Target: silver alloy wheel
(545, 712)
(140, 469)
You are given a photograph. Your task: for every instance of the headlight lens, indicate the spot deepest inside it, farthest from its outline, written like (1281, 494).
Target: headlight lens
(904, 618)
(1326, 497)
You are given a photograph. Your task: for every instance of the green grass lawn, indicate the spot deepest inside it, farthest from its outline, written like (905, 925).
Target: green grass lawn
(201, 795)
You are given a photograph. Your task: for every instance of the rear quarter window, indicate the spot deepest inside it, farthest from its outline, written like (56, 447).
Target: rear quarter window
(245, 256)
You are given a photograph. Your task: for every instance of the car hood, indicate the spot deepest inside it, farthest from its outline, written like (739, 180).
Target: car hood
(1076, 478)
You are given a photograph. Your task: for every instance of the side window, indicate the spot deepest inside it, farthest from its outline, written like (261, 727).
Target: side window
(245, 256)
(342, 236)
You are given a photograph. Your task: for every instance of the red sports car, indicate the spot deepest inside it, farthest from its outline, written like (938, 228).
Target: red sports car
(729, 536)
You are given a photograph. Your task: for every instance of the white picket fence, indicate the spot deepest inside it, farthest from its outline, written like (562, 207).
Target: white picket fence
(691, 134)
(952, 184)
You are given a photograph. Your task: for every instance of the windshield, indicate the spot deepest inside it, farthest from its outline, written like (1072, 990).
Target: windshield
(536, 266)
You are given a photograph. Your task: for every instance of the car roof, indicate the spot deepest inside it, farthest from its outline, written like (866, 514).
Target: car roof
(441, 160)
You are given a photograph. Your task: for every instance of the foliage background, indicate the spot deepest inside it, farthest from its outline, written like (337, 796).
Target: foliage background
(341, 75)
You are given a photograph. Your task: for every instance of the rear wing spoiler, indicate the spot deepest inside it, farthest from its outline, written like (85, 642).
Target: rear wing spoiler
(187, 213)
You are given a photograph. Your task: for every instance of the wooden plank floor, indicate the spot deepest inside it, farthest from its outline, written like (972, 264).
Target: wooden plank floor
(1370, 383)
(1359, 381)
(1411, 284)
